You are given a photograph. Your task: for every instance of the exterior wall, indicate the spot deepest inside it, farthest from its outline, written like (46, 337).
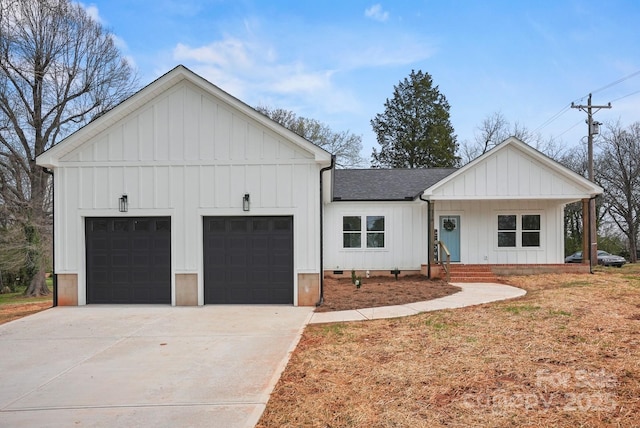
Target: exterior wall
(406, 234)
(186, 155)
(509, 173)
(479, 231)
(405, 237)
(308, 289)
(67, 290)
(186, 289)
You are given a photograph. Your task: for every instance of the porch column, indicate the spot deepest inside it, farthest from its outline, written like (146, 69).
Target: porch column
(586, 245)
(430, 235)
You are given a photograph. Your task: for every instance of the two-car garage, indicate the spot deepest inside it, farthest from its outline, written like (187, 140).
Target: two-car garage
(247, 259)
(184, 195)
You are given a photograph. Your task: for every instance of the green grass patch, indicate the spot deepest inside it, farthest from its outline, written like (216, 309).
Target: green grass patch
(560, 313)
(336, 329)
(18, 297)
(437, 324)
(521, 309)
(571, 284)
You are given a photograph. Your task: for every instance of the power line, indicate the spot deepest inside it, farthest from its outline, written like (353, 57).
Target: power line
(625, 96)
(616, 82)
(568, 106)
(569, 129)
(554, 117)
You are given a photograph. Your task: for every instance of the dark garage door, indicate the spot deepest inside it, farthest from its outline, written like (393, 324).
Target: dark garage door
(248, 260)
(128, 260)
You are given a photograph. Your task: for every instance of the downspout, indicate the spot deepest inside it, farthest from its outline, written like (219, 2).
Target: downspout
(429, 232)
(53, 236)
(327, 168)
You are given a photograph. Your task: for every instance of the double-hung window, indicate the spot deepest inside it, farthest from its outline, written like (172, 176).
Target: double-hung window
(351, 232)
(363, 230)
(518, 230)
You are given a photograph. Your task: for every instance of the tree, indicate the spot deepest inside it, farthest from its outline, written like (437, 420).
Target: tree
(415, 130)
(576, 160)
(344, 145)
(59, 69)
(495, 128)
(618, 172)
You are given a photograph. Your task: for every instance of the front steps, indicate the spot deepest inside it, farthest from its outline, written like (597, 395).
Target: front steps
(472, 273)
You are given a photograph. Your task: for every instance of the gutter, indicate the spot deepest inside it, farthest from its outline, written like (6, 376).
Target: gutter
(327, 168)
(53, 236)
(429, 232)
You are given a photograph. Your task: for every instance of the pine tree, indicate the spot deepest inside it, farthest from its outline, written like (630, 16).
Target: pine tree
(415, 130)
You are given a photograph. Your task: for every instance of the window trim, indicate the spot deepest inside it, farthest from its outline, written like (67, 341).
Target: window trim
(365, 232)
(519, 230)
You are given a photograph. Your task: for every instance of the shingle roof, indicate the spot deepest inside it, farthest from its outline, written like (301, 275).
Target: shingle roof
(385, 184)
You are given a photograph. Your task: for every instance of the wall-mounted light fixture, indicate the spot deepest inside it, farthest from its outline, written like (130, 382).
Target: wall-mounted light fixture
(245, 202)
(123, 204)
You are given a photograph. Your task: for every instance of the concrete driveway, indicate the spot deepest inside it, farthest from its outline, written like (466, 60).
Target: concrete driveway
(160, 366)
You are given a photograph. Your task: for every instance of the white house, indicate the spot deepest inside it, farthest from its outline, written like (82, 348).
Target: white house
(503, 209)
(184, 195)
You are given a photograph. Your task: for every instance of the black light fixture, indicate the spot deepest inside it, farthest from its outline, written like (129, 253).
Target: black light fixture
(245, 202)
(123, 204)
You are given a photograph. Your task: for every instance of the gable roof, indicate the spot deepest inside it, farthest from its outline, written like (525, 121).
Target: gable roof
(513, 170)
(51, 157)
(385, 184)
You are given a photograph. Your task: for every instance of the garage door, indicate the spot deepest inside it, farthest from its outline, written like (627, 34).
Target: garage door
(248, 260)
(128, 260)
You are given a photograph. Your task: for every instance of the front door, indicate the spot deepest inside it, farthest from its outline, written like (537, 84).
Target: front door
(450, 235)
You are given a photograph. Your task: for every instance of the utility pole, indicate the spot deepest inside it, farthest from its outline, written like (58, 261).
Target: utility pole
(593, 129)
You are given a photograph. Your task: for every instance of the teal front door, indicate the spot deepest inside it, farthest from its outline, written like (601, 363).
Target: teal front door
(450, 235)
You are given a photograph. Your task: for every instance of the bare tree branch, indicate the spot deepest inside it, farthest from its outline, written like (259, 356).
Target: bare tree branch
(58, 70)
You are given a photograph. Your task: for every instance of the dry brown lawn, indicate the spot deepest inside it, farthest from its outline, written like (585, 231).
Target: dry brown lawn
(565, 355)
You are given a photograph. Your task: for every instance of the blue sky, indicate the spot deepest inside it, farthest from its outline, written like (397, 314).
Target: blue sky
(337, 61)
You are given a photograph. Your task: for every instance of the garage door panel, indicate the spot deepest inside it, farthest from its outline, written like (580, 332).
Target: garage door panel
(259, 260)
(120, 243)
(239, 259)
(128, 260)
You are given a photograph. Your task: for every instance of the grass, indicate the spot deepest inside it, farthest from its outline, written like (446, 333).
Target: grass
(18, 297)
(15, 305)
(567, 354)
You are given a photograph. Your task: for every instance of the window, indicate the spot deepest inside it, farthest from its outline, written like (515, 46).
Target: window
(375, 231)
(353, 229)
(526, 227)
(351, 232)
(530, 230)
(507, 230)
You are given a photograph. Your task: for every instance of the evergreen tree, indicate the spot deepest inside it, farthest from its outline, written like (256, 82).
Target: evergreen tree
(415, 131)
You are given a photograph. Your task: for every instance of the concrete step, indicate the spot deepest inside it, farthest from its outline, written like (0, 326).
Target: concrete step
(490, 279)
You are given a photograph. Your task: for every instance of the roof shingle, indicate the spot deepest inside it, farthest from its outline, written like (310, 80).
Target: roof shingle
(385, 184)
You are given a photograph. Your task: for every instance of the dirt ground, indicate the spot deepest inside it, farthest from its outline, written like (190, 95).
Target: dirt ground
(12, 311)
(340, 293)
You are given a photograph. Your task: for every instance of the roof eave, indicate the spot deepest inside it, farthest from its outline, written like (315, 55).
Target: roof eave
(50, 157)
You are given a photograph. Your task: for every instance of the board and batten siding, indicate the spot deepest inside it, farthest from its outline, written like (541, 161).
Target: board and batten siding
(509, 174)
(479, 231)
(406, 233)
(405, 236)
(185, 154)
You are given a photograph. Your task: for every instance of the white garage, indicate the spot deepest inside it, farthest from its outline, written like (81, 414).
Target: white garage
(179, 186)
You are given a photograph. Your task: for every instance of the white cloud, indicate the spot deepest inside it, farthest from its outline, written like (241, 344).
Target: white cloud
(376, 13)
(92, 11)
(252, 71)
